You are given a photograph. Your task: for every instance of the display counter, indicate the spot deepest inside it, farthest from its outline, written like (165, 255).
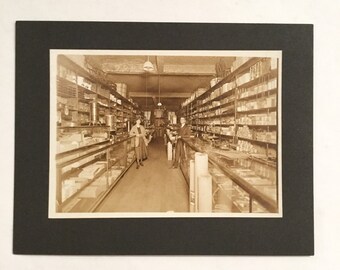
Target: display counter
(87, 173)
(241, 183)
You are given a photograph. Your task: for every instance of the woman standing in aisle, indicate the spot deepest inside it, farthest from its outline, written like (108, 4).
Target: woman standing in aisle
(140, 142)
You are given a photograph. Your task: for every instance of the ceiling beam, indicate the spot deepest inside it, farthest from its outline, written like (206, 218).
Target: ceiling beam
(189, 68)
(162, 94)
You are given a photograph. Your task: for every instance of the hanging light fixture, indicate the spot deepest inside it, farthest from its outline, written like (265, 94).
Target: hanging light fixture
(159, 93)
(146, 91)
(148, 66)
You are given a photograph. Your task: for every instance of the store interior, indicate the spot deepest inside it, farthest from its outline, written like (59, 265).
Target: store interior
(208, 141)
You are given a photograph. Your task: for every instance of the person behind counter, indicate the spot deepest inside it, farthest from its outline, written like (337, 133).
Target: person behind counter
(183, 132)
(140, 142)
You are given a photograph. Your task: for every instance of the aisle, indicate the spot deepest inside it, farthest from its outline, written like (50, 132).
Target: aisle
(152, 188)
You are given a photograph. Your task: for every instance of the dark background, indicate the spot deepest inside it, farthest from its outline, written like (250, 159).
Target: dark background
(34, 233)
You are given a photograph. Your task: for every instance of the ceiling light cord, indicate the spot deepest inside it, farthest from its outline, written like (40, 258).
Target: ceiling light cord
(146, 91)
(159, 91)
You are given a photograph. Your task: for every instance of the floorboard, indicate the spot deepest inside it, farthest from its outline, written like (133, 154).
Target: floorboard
(151, 188)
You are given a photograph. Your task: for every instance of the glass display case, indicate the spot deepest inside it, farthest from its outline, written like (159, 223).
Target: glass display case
(70, 138)
(241, 183)
(86, 174)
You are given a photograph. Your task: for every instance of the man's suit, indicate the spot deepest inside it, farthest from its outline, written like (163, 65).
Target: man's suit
(183, 132)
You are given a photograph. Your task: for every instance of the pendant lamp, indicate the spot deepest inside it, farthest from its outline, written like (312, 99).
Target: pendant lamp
(148, 66)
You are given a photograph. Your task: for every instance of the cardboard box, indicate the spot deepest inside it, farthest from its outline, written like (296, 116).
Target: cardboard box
(92, 191)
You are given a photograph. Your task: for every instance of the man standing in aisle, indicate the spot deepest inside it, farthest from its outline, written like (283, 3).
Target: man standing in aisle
(183, 132)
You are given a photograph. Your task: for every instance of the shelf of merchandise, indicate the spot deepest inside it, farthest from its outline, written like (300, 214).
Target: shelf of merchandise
(262, 85)
(257, 125)
(257, 141)
(228, 78)
(100, 92)
(263, 93)
(108, 154)
(222, 96)
(259, 110)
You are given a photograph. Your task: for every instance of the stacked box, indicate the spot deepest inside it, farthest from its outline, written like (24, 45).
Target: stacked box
(200, 91)
(91, 171)
(67, 192)
(92, 191)
(273, 63)
(71, 186)
(63, 146)
(239, 61)
(103, 92)
(243, 79)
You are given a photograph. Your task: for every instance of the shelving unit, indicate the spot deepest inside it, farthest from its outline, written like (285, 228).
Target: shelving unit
(83, 100)
(241, 108)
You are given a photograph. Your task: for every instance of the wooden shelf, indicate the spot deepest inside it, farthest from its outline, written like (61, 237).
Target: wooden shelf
(215, 108)
(220, 115)
(82, 126)
(103, 106)
(68, 63)
(254, 96)
(85, 89)
(225, 125)
(227, 79)
(257, 110)
(215, 133)
(218, 98)
(226, 135)
(219, 125)
(256, 125)
(255, 141)
(263, 78)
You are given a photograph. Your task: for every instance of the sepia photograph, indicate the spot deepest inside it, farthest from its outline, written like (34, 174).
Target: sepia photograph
(142, 134)
(155, 145)
(152, 133)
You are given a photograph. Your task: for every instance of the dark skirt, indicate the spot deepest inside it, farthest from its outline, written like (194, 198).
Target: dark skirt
(141, 150)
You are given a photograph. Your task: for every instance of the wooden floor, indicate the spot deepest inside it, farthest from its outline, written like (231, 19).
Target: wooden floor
(152, 188)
